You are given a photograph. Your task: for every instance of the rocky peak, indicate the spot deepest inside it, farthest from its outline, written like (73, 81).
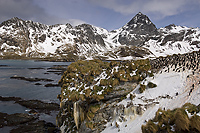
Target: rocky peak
(141, 25)
(170, 26)
(137, 30)
(84, 27)
(68, 25)
(16, 22)
(140, 19)
(9, 22)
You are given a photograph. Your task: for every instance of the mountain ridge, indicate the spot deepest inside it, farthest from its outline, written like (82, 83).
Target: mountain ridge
(28, 39)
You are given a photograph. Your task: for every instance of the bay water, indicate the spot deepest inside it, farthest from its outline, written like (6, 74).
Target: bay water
(25, 89)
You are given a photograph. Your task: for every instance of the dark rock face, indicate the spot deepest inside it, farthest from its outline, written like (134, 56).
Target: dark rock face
(173, 38)
(89, 33)
(141, 25)
(170, 26)
(137, 30)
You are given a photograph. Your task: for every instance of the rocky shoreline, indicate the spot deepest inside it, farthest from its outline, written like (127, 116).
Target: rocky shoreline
(56, 69)
(29, 122)
(37, 116)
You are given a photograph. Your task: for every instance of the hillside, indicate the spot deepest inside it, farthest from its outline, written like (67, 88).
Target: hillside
(122, 96)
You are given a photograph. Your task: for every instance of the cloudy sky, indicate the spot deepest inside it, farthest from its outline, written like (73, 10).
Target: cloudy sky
(108, 14)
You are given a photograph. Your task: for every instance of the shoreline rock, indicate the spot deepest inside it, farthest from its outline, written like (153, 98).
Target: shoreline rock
(38, 105)
(30, 122)
(31, 79)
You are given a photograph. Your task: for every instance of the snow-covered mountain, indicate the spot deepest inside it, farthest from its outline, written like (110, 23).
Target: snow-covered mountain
(27, 38)
(138, 38)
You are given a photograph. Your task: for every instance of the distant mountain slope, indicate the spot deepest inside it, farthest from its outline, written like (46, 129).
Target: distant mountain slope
(138, 38)
(174, 39)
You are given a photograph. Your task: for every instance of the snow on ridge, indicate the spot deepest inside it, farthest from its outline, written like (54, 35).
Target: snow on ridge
(179, 47)
(57, 36)
(166, 45)
(174, 29)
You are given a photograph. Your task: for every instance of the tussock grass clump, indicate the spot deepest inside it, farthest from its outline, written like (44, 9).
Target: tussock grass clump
(182, 121)
(191, 108)
(151, 85)
(132, 96)
(195, 123)
(142, 88)
(89, 125)
(150, 127)
(94, 108)
(176, 120)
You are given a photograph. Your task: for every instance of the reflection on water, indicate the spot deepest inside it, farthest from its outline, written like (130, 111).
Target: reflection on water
(11, 108)
(25, 89)
(5, 129)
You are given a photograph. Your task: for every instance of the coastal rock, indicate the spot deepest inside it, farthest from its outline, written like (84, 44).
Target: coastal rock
(31, 79)
(39, 127)
(15, 119)
(33, 104)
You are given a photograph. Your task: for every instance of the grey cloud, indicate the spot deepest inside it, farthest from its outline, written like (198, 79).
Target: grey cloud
(162, 7)
(27, 10)
(19, 8)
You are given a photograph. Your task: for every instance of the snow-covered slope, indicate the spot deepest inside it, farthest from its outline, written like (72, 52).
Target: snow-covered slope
(63, 41)
(173, 40)
(171, 92)
(177, 79)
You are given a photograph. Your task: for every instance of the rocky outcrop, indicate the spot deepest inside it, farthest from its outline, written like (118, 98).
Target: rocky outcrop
(92, 89)
(31, 79)
(90, 99)
(14, 119)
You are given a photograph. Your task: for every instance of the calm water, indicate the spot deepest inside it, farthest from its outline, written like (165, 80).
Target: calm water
(25, 89)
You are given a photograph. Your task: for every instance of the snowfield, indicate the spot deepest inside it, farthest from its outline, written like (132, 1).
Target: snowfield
(172, 91)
